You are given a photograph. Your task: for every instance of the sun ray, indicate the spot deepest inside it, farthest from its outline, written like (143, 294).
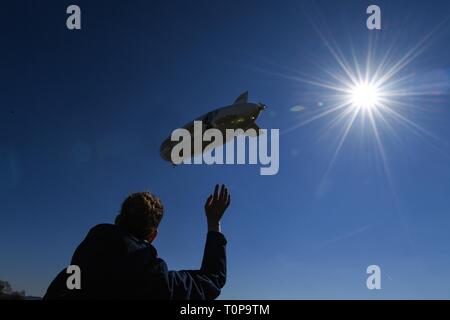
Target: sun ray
(355, 112)
(316, 117)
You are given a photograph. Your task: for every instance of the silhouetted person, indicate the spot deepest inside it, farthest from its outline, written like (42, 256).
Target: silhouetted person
(119, 262)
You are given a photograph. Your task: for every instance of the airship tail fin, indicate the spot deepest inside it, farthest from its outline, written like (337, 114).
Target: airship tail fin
(242, 98)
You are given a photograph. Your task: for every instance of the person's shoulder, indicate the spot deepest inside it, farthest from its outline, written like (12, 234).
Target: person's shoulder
(103, 237)
(104, 227)
(105, 230)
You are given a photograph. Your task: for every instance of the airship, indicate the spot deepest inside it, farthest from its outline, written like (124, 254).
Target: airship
(240, 115)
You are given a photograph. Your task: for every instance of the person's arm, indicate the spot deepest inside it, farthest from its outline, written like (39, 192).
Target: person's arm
(207, 282)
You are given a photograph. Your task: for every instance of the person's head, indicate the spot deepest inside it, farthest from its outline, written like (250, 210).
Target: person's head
(140, 215)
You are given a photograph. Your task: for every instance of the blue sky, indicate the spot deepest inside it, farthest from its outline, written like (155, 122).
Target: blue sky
(83, 114)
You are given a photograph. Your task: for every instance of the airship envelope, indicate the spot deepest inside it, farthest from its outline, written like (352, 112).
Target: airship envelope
(240, 115)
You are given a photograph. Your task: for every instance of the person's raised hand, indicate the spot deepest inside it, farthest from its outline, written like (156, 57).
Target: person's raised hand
(215, 207)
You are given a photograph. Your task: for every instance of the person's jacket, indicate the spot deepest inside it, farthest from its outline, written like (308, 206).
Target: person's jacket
(116, 265)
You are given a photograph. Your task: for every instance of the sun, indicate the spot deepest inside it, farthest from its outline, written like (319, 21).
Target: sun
(364, 96)
(372, 90)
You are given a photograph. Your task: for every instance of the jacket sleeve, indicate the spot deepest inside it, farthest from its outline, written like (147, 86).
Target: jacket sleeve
(206, 283)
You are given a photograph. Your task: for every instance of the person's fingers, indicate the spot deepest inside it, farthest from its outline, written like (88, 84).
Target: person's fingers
(222, 192)
(225, 195)
(208, 201)
(228, 201)
(216, 192)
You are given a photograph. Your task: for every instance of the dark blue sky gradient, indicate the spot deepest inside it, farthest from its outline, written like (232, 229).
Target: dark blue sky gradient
(83, 114)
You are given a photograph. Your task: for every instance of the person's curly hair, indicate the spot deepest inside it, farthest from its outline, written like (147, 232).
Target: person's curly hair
(140, 214)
